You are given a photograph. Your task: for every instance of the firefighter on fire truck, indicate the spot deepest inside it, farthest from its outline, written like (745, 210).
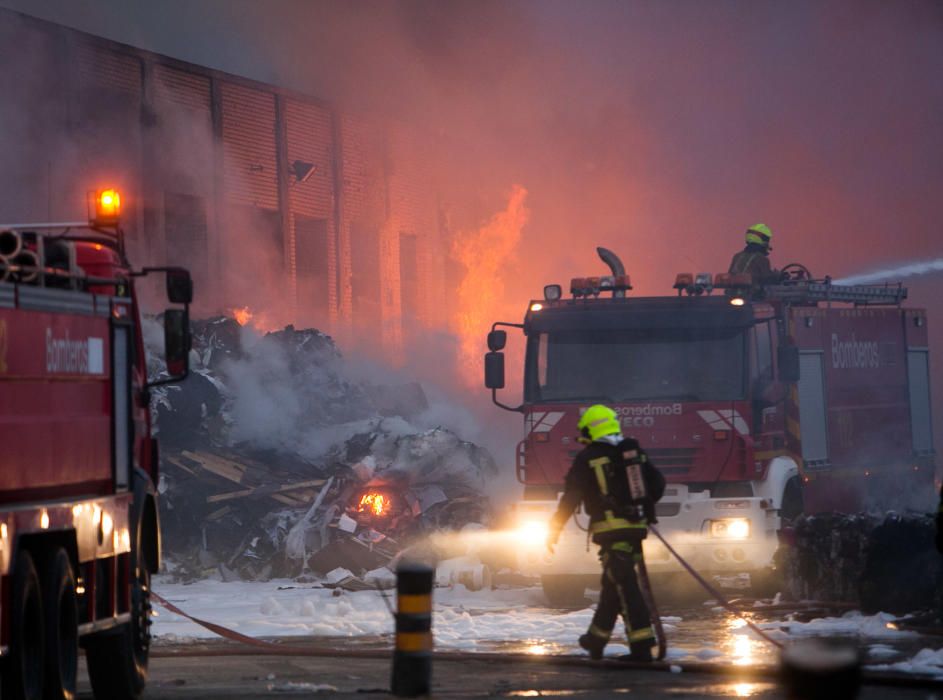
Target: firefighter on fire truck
(754, 258)
(618, 486)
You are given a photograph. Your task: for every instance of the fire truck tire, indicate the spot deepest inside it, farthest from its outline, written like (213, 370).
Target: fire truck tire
(564, 590)
(23, 671)
(117, 663)
(61, 625)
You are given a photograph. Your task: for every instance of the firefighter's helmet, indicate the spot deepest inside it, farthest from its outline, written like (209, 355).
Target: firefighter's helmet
(759, 233)
(597, 422)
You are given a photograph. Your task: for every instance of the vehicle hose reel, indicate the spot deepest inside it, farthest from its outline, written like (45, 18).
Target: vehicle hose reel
(11, 243)
(27, 262)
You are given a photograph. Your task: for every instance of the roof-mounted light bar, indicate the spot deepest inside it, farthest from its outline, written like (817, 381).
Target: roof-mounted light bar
(694, 285)
(594, 286)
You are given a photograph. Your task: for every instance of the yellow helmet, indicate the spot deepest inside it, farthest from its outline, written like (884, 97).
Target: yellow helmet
(598, 421)
(759, 233)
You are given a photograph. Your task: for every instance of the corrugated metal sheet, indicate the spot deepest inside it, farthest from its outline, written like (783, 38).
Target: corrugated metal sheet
(364, 186)
(365, 196)
(309, 130)
(184, 88)
(414, 211)
(186, 233)
(249, 161)
(315, 292)
(104, 69)
(365, 278)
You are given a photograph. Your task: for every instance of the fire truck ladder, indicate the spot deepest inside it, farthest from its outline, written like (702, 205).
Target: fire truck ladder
(815, 291)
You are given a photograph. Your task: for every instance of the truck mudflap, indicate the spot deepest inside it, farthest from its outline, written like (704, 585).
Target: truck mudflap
(718, 536)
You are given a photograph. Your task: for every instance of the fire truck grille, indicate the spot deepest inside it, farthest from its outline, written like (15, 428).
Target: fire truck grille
(673, 460)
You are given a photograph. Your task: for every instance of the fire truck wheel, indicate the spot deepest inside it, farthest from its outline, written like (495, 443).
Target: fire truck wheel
(23, 670)
(117, 663)
(62, 636)
(564, 590)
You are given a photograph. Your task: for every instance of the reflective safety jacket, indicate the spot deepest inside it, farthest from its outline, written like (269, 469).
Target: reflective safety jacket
(754, 261)
(617, 485)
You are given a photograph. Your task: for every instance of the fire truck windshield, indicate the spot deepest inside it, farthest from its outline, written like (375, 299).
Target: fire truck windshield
(618, 366)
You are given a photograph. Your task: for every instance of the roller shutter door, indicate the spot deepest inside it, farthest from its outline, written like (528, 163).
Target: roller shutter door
(812, 416)
(249, 160)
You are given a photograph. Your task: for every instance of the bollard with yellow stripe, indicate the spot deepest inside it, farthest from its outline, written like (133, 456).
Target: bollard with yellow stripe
(412, 655)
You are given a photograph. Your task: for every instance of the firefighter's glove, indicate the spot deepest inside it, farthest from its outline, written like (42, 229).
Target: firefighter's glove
(552, 536)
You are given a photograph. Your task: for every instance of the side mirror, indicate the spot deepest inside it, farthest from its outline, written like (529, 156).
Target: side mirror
(179, 287)
(494, 369)
(177, 342)
(497, 340)
(788, 361)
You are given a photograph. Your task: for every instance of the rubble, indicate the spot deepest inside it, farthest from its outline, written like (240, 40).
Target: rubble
(274, 463)
(885, 564)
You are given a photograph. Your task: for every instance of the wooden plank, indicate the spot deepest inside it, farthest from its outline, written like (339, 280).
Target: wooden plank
(224, 468)
(180, 465)
(266, 491)
(229, 495)
(218, 513)
(287, 500)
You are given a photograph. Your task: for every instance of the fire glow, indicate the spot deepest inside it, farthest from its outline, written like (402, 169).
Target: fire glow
(242, 316)
(375, 503)
(480, 294)
(261, 321)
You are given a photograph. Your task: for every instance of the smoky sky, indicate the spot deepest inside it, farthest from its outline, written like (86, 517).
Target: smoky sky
(660, 129)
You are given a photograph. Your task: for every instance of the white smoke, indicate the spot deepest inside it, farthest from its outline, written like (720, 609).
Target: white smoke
(895, 273)
(265, 408)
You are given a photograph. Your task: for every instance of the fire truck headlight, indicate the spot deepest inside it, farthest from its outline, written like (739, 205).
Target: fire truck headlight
(731, 528)
(737, 301)
(533, 532)
(536, 306)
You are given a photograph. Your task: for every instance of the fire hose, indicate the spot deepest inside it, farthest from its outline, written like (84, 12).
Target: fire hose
(714, 592)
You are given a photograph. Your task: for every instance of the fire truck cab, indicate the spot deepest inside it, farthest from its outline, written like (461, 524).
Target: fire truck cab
(79, 533)
(756, 404)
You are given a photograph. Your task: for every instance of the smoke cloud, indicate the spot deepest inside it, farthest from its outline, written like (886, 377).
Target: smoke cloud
(659, 130)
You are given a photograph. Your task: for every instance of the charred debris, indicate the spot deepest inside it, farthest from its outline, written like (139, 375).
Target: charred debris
(274, 463)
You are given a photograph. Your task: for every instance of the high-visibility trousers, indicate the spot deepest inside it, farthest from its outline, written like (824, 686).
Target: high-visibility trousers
(620, 595)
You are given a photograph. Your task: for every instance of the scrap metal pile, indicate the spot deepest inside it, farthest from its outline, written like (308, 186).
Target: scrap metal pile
(878, 563)
(275, 463)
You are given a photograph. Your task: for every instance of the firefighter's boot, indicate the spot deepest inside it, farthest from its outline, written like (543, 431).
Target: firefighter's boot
(593, 644)
(639, 651)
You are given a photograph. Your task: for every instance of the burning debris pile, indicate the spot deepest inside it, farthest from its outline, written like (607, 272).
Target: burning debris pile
(274, 463)
(884, 564)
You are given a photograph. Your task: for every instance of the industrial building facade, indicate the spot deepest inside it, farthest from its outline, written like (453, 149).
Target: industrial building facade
(275, 200)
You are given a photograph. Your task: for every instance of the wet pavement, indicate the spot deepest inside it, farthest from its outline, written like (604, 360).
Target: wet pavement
(265, 676)
(712, 651)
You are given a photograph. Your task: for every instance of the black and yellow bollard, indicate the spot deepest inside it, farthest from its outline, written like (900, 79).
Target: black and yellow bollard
(412, 656)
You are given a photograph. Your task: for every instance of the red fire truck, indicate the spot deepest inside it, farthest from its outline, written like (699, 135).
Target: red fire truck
(79, 533)
(756, 404)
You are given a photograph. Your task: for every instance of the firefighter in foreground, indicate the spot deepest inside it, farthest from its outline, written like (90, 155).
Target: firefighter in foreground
(754, 258)
(617, 484)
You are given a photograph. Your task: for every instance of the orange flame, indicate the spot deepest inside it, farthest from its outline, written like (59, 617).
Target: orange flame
(372, 502)
(480, 295)
(242, 316)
